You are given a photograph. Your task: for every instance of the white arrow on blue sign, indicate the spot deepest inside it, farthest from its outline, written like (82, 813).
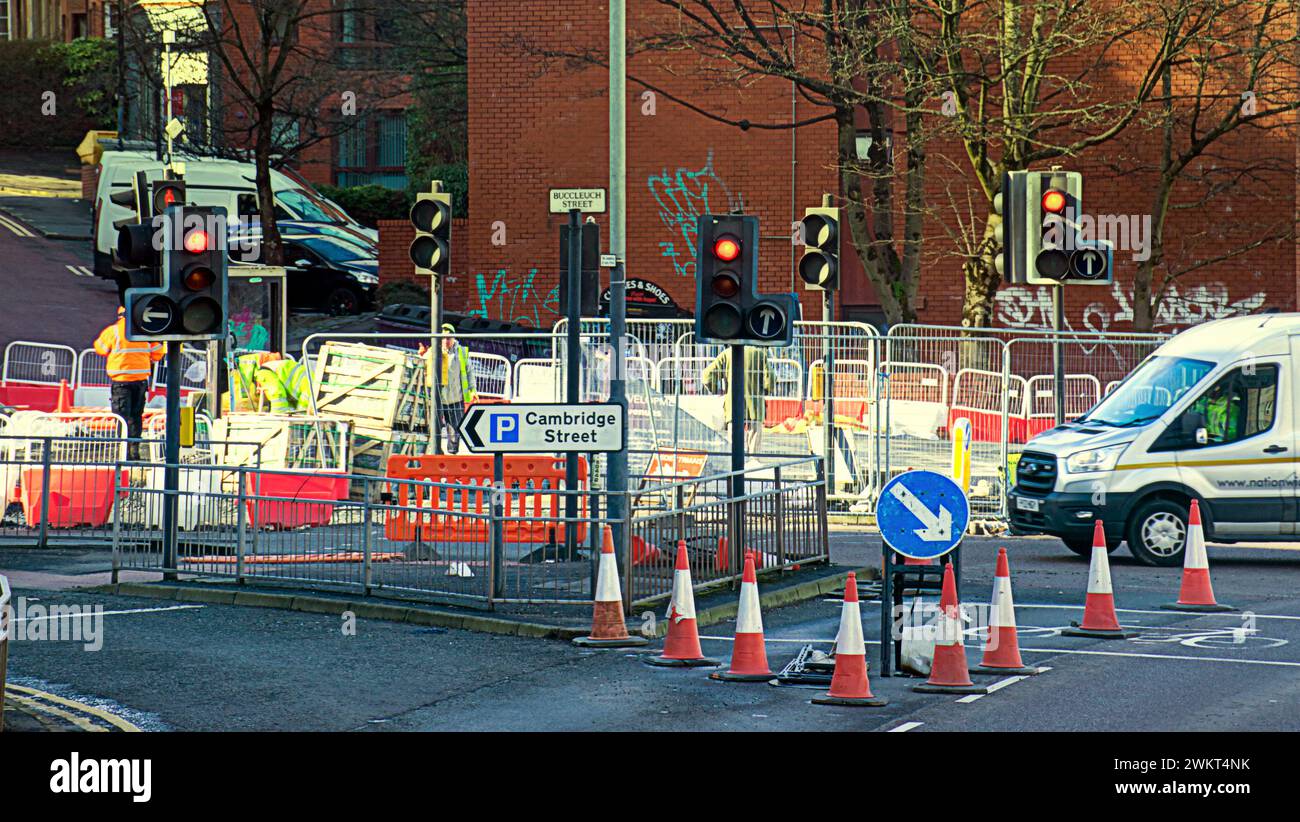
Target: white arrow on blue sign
(922, 514)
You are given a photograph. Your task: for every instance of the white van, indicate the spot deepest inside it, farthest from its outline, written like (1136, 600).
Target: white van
(209, 181)
(1211, 415)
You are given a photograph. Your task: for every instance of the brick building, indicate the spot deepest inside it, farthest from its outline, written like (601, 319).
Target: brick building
(56, 19)
(537, 123)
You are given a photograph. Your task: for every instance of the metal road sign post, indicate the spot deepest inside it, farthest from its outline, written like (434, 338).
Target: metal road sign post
(543, 428)
(573, 359)
(922, 515)
(737, 387)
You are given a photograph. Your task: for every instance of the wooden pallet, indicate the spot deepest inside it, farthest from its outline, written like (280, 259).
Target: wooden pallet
(371, 387)
(281, 441)
(370, 450)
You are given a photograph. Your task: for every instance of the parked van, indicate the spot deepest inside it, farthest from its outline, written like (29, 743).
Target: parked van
(1211, 415)
(214, 182)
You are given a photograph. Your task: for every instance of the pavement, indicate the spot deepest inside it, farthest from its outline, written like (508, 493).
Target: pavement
(191, 666)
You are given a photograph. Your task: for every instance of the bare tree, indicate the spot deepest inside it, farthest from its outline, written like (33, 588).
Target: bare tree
(863, 68)
(1232, 88)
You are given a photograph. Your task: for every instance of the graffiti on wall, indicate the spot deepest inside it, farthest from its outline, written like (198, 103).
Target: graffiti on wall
(682, 196)
(1031, 307)
(515, 298)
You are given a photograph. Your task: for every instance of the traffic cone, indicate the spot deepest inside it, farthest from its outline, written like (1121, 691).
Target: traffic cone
(722, 558)
(682, 644)
(1002, 652)
(63, 404)
(849, 683)
(949, 673)
(1196, 593)
(748, 653)
(1099, 619)
(607, 627)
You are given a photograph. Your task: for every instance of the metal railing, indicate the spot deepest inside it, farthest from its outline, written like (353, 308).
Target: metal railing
(5, 627)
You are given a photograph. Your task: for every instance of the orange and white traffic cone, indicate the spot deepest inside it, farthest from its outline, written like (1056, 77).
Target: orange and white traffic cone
(1002, 652)
(608, 630)
(63, 402)
(849, 683)
(1196, 593)
(722, 559)
(749, 652)
(682, 644)
(1099, 618)
(949, 673)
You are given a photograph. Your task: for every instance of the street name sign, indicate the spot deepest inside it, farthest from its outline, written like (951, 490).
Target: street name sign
(586, 200)
(922, 514)
(540, 428)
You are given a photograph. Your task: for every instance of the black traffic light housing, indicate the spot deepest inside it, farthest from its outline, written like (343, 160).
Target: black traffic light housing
(819, 267)
(135, 245)
(728, 307)
(189, 303)
(590, 303)
(1009, 235)
(1053, 204)
(431, 218)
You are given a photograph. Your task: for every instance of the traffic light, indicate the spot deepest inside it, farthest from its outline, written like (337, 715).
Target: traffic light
(728, 306)
(431, 219)
(190, 302)
(165, 194)
(1009, 235)
(590, 303)
(1053, 203)
(135, 246)
(819, 267)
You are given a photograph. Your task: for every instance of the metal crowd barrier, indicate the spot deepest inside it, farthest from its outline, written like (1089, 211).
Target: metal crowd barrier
(5, 627)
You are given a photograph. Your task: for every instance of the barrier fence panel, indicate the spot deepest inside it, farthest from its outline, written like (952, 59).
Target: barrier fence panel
(35, 363)
(5, 616)
(784, 513)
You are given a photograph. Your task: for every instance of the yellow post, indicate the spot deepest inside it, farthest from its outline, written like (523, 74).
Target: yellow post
(961, 437)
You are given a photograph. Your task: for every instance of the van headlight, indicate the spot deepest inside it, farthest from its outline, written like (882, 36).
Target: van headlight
(1097, 459)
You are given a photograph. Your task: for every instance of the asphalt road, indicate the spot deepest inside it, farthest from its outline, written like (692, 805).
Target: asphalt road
(165, 667)
(51, 294)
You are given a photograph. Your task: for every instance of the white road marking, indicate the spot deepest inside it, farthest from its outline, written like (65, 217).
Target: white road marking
(996, 686)
(904, 728)
(1164, 656)
(772, 639)
(80, 270)
(92, 614)
(15, 227)
(1231, 614)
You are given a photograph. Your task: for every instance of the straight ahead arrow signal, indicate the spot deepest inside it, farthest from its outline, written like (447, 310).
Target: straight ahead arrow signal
(938, 528)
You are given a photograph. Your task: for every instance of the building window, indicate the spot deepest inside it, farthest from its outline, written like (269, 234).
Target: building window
(4, 20)
(374, 152)
(363, 38)
(79, 28)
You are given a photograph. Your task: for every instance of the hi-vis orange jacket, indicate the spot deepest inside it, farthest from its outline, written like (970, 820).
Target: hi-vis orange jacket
(127, 361)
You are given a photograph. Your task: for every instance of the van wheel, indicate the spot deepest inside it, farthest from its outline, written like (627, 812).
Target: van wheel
(1157, 533)
(1081, 544)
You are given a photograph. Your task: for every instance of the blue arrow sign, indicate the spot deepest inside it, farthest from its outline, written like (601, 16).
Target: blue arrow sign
(922, 514)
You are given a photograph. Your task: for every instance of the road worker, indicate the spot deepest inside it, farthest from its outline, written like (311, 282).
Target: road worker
(285, 385)
(130, 365)
(457, 386)
(758, 385)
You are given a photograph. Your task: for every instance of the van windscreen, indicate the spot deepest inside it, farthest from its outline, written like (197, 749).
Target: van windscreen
(1149, 391)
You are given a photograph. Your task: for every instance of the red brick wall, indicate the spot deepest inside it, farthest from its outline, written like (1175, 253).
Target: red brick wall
(538, 124)
(89, 181)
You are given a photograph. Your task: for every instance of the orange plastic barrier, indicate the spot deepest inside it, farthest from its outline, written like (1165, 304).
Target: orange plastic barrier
(322, 489)
(78, 495)
(534, 482)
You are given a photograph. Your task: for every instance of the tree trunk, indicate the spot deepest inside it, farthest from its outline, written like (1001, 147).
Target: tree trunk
(982, 281)
(272, 250)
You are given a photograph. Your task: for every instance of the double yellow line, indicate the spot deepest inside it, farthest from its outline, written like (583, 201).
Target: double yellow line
(42, 704)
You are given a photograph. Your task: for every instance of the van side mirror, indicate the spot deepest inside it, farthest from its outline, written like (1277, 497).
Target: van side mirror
(1202, 436)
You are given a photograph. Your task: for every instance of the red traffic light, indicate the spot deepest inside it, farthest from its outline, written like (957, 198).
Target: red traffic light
(196, 241)
(1054, 201)
(726, 248)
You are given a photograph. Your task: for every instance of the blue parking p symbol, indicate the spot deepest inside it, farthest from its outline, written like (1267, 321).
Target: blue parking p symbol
(505, 428)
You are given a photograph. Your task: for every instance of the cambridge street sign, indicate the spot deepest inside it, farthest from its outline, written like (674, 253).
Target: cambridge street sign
(922, 514)
(542, 428)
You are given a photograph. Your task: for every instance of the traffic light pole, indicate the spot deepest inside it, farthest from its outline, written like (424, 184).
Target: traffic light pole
(828, 388)
(172, 456)
(1058, 361)
(572, 373)
(737, 388)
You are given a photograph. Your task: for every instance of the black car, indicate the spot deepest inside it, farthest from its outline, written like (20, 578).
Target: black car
(324, 272)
